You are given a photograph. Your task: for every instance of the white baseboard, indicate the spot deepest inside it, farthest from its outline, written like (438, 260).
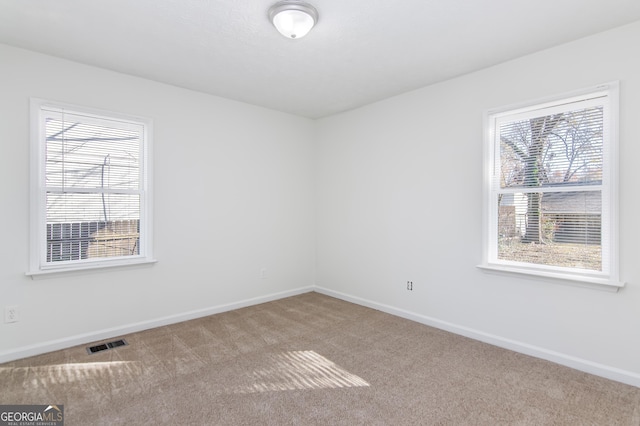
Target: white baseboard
(81, 339)
(597, 369)
(586, 366)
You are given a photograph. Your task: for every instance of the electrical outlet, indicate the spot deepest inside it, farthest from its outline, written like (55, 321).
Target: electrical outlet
(11, 314)
(410, 285)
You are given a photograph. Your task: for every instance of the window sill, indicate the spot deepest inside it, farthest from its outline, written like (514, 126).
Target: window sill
(605, 284)
(87, 268)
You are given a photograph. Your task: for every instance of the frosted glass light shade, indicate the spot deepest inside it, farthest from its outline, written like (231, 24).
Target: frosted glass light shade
(293, 19)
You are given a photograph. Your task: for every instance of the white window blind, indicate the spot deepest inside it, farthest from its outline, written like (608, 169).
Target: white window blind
(90, 191)
(552, 187)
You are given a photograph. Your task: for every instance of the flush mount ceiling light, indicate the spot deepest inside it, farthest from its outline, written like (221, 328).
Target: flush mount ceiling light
(293, 19)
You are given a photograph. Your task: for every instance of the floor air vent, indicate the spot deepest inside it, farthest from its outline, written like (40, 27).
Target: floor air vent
(105, 346)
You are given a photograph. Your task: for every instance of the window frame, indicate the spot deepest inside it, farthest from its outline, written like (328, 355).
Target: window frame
(608, 278)
(38, 265)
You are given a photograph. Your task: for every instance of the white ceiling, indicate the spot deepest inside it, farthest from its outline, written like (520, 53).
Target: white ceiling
(361, 51)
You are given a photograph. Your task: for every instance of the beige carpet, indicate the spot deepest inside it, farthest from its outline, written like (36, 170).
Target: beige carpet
(312, 360)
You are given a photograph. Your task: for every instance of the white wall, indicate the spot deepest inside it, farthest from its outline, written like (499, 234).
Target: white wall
(233, 195)
(400, 198)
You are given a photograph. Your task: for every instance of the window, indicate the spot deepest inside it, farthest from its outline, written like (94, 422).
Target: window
(90, 198)
(551, 191)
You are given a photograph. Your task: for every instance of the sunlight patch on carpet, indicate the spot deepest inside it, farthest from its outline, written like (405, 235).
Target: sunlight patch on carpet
(74, 372)
(297, 370)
